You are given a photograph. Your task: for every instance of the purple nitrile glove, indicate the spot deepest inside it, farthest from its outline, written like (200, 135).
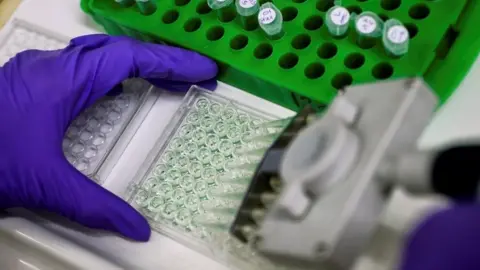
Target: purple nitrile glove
(42, 92)
(446, 240)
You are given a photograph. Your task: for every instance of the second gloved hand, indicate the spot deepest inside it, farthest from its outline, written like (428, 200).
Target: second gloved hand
(42, 92)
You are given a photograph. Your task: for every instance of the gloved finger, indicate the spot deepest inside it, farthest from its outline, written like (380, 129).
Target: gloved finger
(65, 191)
(103, 62)
(176, 86)
(168, 85)
(94, 41)
(93, 206)
(447, 239)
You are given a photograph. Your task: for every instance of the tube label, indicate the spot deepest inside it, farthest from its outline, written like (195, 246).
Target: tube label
(366, 24)
(248, 3)
(340, 16)
(267, 16)
(397, 34)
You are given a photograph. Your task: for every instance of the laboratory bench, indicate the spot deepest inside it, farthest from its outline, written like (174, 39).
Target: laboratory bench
(28, 241)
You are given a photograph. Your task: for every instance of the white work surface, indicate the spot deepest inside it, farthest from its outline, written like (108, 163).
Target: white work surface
(26, 245)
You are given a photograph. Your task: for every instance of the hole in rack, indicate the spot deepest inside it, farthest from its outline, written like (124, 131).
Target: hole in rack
(448, 39)
(354, 9)
(354, 60)
(215, 33)
(239, 42)
(125, 4)
(419, 11)
(228, 15)
(366, 43)
(362, 0)
(181, 2)
(289, 13)
(341, 80)
(383, 17)
(390, 4)
(301, 41)
(327, 50)
(324, 5)
(147, 8)
(299, 1)
(412, 30)
(382, 71)
(203, 8)
(288, 61)
(314, 71)
(170, 16)
(313, 23)
(263, 51)
(192, 25)
(249, 23)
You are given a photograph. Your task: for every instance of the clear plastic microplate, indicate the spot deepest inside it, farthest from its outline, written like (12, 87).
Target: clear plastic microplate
(192, 183)
(93, 134)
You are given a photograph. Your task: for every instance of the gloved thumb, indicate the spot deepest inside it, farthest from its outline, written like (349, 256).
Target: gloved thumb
(95, 207)
(61, 189)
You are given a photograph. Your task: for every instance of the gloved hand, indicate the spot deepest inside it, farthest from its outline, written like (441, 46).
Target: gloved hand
(446, 240)
(42, 92)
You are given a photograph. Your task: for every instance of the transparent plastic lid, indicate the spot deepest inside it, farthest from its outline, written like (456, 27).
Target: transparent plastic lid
(22, 37)
(93, 134)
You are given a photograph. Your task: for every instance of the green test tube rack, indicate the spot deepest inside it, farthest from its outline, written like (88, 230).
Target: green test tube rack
(307, 64)
(125, 3)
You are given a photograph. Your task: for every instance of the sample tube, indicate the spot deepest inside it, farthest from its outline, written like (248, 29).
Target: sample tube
(229, 191)
(280, 123)
(146, 7)
(214, 221)
(258, 214)
(222, 205)
(248, 10)
(273, 128)
(224, 9)
(270, 20)
(337, 21)
(125, 3)
(369, 27)
(395, 38)
(229, 178)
